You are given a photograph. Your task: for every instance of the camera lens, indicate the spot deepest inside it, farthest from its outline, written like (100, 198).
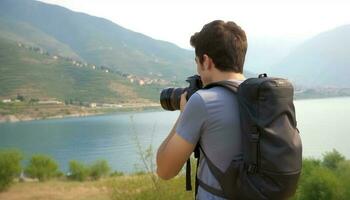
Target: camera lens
(170, 98)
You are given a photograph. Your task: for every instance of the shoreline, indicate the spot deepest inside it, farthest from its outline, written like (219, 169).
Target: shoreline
(86, 111)
(13, 118)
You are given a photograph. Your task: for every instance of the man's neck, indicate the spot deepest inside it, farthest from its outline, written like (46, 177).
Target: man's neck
(227, 76)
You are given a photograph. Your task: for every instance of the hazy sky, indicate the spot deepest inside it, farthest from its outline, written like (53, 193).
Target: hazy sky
(176, 21)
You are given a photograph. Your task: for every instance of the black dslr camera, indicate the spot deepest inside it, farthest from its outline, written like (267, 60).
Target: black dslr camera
(170, 97)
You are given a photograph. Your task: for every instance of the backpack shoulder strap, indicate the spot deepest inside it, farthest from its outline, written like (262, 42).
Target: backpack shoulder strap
(230, 85)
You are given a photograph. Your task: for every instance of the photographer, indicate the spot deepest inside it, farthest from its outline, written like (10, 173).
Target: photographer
(211, 116)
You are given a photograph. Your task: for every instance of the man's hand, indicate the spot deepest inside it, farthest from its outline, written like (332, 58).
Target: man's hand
(183, 101)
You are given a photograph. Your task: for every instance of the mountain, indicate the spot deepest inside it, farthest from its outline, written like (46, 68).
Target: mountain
(37, 75)
(96, 40)
(264, 52)
(24, 33)
(49, 52)
(322, 61)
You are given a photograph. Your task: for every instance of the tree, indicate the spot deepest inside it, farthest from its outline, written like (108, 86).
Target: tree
(321, 184)
(78, 171)
(10, 167)
(42, 167)
(343, 171)
(20, 97)
(99, 169)
(331, 159)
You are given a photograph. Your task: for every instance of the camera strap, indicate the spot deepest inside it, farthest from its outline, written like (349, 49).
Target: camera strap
(188, 171)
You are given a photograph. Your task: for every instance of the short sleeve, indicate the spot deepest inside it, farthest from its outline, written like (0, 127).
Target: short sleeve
(192, 119)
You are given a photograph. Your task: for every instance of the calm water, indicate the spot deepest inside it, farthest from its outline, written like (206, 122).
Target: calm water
(323, 124)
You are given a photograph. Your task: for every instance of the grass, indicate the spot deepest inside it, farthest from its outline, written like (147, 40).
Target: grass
(116, 188)
(141, 187)
(57, 190)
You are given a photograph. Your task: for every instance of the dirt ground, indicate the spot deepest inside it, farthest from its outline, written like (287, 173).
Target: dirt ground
(57, 190)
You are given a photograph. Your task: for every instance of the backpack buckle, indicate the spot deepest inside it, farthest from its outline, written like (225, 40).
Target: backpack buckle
(254, 135)
(252, 169)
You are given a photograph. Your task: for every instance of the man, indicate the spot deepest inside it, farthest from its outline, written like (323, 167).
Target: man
(211, 116)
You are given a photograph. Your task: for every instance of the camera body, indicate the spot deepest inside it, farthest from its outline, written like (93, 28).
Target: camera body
(170, 97)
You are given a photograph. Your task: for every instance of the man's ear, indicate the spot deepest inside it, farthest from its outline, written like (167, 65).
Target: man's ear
(207, 62)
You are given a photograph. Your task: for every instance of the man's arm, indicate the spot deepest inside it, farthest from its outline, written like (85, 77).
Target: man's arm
(174, 151)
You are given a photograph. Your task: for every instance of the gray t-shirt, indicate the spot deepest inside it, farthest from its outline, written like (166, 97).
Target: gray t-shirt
(211, 117)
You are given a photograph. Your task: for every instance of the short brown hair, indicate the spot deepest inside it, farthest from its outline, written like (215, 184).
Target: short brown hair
(225, 43)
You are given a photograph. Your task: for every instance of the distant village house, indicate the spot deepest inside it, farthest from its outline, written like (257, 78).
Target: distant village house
(6, 101)
(50, 102)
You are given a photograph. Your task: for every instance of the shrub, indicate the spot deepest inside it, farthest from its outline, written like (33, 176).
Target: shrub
(309, 164)
(117, 173)
(331, 159)
(99, 169)
(10, 167)
(321, 184)
(78, 171)
(59, 174)
(42, 167)
(343, 171)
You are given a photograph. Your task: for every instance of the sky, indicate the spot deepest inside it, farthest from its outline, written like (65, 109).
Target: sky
(176, 21)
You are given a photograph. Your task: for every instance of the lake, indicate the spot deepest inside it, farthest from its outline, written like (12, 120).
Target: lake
(322, 124)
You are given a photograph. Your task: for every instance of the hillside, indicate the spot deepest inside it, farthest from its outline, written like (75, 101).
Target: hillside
(21, 32)
(99, 41)
(322, 61)
(40, 76)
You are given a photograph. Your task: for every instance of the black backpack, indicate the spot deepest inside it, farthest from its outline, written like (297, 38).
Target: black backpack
(272, 149)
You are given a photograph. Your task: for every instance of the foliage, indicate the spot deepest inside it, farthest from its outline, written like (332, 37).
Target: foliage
(319, 179)
(322, 184)
(332, 159)
(309, 164)
(10, 167)
(328, 178)
(42, 167)
(99, 169)
(141, 187)
(20, 97)
(343, 171)
(116, 174)
(78, 171)
(146, 156)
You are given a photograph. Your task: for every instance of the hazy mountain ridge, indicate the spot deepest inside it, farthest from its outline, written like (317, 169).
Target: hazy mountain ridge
(322, 61)
(263, 52)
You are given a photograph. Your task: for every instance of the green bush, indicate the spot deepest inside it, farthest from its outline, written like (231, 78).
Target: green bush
(328, 178)
(309, 164)
(322, 184)
(343, 171)
(99, 169)
(331, 159)
(117, 173)
(78, 171)
(42, 167)
(10, 167)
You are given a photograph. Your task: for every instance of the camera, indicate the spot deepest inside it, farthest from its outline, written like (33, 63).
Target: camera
(170, 97)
